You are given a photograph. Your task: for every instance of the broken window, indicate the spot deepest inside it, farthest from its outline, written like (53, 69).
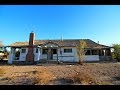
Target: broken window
(87, 52)
(23, 51)
(36, 50)
(54, 51)
(44, 51)
(94, 52)
(67, 50)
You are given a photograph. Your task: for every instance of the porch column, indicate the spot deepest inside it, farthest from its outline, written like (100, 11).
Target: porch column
(97, 51)
(11, 55)
(90, 51)
(101, 52)
(57, 56)
(110, 52)
(104, 52)
(41, 53)
(38, 54)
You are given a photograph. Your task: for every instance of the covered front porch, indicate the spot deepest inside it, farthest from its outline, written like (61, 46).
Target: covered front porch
(100, 53)
(48, 52)
(17, 54)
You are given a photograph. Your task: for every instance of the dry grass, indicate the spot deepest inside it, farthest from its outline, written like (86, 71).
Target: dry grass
(2, 72)
(44, 77)
(34, 77)
(84, 78)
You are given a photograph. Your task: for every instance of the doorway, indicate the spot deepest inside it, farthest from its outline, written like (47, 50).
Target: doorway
(51, 52)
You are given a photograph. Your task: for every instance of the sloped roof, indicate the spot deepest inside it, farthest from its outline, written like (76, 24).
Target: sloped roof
(65, 42)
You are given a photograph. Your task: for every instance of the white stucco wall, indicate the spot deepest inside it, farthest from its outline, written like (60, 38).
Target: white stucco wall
(72, 57)
(66, 57)
(36, 55)
(23, 55)
(92, 58)
(11, 55)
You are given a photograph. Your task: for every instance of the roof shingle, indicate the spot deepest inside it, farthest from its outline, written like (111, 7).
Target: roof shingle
(65, 42)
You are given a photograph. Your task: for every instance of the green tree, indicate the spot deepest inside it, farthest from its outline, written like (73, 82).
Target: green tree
(116, 51)
(81, 51)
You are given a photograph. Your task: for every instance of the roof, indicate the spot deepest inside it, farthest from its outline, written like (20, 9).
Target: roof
(65, 42)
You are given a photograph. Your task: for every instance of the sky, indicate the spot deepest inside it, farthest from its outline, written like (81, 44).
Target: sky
(96, 22)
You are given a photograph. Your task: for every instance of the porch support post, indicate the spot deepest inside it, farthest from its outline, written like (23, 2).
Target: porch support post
(57, 56)
(97, 51)
(90, 51)
(101, 52)
(38, 54)
(40, 51)
(110, 52)
(11, 55)
(104, 52)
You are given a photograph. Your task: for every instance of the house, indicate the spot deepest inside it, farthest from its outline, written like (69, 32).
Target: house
(58, 50)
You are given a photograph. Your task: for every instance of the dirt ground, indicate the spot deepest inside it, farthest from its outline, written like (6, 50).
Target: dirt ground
(61, 74)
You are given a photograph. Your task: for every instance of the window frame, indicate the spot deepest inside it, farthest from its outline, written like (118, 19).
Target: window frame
(36, 50)
(67, 50)
(44, 51)
(22, 50)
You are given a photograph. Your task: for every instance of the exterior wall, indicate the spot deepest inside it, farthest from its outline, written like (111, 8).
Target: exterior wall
(67, 57)
(70, 57)
(92, 58)
(64, 57)
(23, 55)
(105, 58)
(11, 56)
(36, 55)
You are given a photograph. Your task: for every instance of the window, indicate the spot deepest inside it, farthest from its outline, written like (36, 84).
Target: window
(94, 52)
(87, 52)
(54, 51)
(67, 50)
(44, 51)
(23, 50)
(36, 50)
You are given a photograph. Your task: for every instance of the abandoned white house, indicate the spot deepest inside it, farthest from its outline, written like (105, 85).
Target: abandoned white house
(57, 50)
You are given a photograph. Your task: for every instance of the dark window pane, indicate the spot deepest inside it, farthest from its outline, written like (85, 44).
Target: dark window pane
(23, 50)
(87, 52)
(67, 50)
(44, 51)
(36, 50)
(54, 51)
(94, 52)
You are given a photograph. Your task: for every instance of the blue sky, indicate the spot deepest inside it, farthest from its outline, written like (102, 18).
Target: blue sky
(98, 23)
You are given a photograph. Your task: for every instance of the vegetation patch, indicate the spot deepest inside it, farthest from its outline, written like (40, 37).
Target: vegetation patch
(43, 77)
(2, 72)
(86, 79)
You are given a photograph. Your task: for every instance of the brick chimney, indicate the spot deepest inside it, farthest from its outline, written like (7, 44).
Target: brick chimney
(30, 54)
